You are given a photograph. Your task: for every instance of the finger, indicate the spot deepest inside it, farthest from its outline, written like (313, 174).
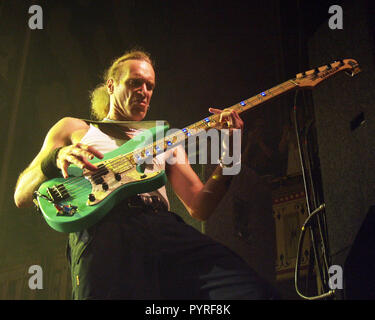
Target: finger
(236, 115)
(215, 111)
(81, 153)
(72, 159)
(223, 117)
(78, 158)
(91, 150)
(64, 169)
(226, 119)
(227, 113)
(238, 121)
(89, 165)
(95, 152)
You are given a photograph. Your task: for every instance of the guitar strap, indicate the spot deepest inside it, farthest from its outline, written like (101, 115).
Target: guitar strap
(117, 129)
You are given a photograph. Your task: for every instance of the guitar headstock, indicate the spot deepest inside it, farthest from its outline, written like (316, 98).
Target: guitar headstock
(311, 78)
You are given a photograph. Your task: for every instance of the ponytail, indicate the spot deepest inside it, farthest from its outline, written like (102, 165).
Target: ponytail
(99, 102)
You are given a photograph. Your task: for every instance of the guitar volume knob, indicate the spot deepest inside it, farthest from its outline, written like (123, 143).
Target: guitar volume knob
(91, 197)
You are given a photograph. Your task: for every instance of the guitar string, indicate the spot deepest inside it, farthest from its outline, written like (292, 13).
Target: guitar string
(202, 123)
(83, 192)
(111, 178)
(120, 165)
(126, 164)
(114, 162)
(124, 160)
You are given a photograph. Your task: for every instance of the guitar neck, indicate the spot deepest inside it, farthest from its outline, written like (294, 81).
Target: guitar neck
(240, 107)
(179, 136)
(261, 98)
(265, 96)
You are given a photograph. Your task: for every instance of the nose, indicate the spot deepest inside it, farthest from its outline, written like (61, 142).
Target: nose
(143, 89)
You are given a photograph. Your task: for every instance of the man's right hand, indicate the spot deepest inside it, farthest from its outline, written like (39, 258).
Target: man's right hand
(60, 135)
(78, 154)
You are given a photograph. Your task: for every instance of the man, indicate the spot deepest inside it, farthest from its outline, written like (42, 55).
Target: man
(142, 251)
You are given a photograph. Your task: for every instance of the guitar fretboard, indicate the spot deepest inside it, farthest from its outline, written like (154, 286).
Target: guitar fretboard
(124, 162)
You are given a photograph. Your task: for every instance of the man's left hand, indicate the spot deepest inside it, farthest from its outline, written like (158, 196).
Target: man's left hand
(229, 119)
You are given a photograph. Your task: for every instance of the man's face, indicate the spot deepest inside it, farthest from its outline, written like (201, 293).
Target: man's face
(133, 93)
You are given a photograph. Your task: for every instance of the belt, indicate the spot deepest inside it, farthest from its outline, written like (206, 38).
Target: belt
(153, 203)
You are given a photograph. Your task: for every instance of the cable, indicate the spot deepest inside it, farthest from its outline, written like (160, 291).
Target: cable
(301, 238)
(297, 129)
(311, 214)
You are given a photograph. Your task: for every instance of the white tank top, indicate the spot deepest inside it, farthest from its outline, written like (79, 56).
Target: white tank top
(104, 143)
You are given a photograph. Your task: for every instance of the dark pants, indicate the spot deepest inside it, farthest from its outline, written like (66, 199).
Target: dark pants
(140, 254)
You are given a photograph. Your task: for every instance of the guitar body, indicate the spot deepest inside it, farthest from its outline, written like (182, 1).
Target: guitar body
(81, 200)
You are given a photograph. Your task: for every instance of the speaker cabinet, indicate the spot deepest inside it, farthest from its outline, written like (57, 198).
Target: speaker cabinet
(344, 112)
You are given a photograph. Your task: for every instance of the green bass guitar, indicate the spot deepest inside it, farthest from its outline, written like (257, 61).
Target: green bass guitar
(76, 203)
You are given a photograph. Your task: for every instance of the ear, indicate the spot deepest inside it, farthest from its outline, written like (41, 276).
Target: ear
(110, 86)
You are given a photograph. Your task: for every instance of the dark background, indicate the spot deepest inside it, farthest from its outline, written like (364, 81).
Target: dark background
(207, 54)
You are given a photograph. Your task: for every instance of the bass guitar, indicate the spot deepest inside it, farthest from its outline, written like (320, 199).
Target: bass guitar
(80, 201)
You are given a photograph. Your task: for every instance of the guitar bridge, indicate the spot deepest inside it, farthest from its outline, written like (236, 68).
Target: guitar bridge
(65, 210)
(58, 193)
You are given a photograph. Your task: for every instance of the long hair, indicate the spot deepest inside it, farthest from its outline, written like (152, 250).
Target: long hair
(100, 96)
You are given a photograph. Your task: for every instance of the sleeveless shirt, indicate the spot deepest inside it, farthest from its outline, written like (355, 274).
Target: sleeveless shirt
(104, 143)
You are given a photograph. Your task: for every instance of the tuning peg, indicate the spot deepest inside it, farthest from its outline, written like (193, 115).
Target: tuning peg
(301, 75)
(341, 62)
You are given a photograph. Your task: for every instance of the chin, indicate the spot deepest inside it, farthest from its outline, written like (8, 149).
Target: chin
(139, 116)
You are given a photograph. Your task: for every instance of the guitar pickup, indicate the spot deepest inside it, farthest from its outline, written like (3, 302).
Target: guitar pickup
(58, 193)
(98, 176)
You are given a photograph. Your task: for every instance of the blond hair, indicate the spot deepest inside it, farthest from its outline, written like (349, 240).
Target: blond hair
(99, 96)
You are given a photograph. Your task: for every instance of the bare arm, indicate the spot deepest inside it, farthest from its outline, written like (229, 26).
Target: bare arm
(58, 136)
(200, 199)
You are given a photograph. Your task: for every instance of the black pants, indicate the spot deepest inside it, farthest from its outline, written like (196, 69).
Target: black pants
(140, 254)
